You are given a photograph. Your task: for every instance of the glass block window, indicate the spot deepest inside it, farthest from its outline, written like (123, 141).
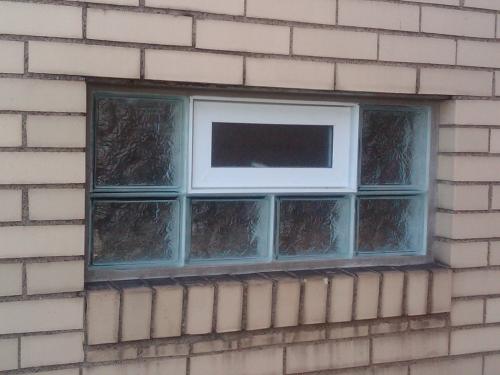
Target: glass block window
(144, 217)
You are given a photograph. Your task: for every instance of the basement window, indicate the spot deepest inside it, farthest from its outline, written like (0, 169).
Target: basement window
(208, 185)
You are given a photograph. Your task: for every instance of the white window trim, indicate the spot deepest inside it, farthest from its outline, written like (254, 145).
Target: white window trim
(203, 179)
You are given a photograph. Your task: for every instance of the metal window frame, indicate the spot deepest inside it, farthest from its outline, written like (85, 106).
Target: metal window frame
(155, 270)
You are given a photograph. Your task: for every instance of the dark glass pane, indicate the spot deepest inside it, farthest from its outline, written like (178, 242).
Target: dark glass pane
(271, 146)
(226, 229)
(134, 231)
(137, 141)
(313, 227)
(393, 147)
(390, 224)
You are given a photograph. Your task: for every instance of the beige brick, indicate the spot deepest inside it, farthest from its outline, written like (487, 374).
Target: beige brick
(367, 295)
(455, 366)
(102, 316)
(443, 2)
(341, 298)
(417, 49)
(12, 57)
(289, 73)
(304, 335)
(476, 283)
(474, 340)
(495, 141)
(313, 11)
(248, 362)
(167, 314)
(494, 253)
(465, 312)
(160, 366)
(484, 4)
(39, 241)
(455, 82)
(410, 346)
(440, 298)
(44, 350)
(457, 22)
(463, 140)
(215, 345)
(334, 43)
(10, 202)
(193, 67)
(11, 279)
(416, 292)
(287, 302)
(10, 130)
(246, 37)
(55, 277)
(491, 364)
(468, 168)
(495, 201)
(462, 254)
(463, 197)
(349, 331)
(375, 78)
(129, 27)
(468, 225)
(200, 306)
(40, 19)
(428, 322)
(497, 78)
(42, 95)
(136, 313)
(470, 112)
(391, 295)
(259, 304)
(493, 310)
(393, 370)
(82, 59)
(229, 306)
(329, 355)
(379, 15)
(42, 167)
(381, 327)
(41, 315)
(113, 2)
(234, 7)
(56, 131)
(69, 371)
(56, 204)
(8, 354)
(314, 303)
(483, 54)
(259, 340)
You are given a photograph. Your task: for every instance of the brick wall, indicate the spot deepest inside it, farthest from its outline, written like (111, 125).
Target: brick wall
(50, 325)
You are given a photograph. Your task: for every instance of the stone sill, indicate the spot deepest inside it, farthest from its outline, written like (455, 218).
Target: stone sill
(121, 312)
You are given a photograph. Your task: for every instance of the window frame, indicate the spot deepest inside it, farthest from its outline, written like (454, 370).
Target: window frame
(117, 272)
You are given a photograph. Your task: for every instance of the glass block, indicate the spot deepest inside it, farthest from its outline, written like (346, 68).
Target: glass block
(137, 141)
(271, 145)
(390, 224)
(313, 227)
(393, 147)
(126, 232)
(227, 229)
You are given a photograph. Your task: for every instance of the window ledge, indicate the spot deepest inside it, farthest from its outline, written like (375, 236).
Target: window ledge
(157, 309)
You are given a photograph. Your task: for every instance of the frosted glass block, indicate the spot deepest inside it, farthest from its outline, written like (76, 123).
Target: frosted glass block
(394, 146)
(126, 232)
(313, 227)
(228, 229)
(390, 224)
(137, 141)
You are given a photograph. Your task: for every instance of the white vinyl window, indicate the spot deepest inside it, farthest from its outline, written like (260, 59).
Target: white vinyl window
(250, 146)
(206, 185)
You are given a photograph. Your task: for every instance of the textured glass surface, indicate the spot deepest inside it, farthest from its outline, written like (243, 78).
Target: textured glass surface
(226, 229)
(271, 145)
(134, 231)
(393, 147)
(313, 227)
(137, 141)
(390, 224)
